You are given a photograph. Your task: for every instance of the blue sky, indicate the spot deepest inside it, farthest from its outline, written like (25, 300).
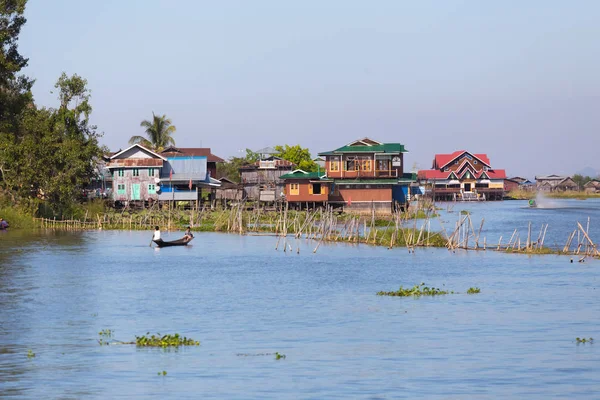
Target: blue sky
(518, 80)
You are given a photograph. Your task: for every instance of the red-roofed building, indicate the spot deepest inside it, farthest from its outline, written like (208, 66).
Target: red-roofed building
(463, 176)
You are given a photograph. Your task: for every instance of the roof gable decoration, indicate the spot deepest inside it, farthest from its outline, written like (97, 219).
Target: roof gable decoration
(171, 149)
(466, 164)
(141, 148)
(446, 159)
(364, 142)
(467, 175)
(567, 180)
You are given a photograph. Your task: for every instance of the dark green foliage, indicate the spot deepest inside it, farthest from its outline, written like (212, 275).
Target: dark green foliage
(164, 341)
(52, 158)
(299, 156)
(584, 340)
(473, 290)
(14, 89)
(416, 291)
(581, 180)
(46, 155)
(231, 168)
(279, 356)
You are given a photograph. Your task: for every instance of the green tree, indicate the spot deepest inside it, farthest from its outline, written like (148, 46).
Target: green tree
(231, 168)
(581, 180)
(52, 159)
(251, 156)
(15, 89)
(297, 155)
(159, 132)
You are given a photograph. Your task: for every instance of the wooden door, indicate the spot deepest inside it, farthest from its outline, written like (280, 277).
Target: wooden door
(135, 191)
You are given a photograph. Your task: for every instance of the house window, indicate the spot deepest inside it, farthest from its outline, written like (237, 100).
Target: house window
(151, 188)
(383, 165)
(366, 165)
(120, 172)
(352, 165)
(294, 189)
(474, 161)
(316, 188)
(334, 166)
(121, 189)
(136, 172)
(151, 172)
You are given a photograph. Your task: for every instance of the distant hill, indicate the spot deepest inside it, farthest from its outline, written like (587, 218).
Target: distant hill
(588, 171)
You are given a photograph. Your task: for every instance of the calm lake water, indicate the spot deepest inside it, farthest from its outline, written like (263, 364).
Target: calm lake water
(243, 299)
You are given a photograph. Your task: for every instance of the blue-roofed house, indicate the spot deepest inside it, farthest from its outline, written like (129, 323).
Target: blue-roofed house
(186, 174)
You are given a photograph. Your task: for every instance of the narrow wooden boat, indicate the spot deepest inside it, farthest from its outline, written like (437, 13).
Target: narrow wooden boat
(178, 242)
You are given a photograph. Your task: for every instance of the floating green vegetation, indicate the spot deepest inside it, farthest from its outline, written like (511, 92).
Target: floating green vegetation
(164, 341)
(31, 354)
(473, 290)
(584, 340)
(465, 212)
(417, 291)
(279, 356)
(105, 335)
(163, 373)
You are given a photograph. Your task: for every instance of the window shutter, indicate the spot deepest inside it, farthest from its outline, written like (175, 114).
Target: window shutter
(310, 188)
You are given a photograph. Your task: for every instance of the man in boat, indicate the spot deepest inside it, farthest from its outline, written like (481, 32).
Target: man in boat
(188, 235)
(3, 224)
(156, 233)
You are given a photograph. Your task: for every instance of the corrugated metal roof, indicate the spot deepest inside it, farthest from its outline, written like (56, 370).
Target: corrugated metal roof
(135, 162)
(185, 168)
(298, 174)
(191, 151)
(386, 148)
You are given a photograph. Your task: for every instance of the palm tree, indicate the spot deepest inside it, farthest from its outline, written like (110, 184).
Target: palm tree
(159, 132)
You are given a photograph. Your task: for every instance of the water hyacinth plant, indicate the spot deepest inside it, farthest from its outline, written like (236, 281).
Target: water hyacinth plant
(416, 291)
(473, 290)
(164, 341)
(584, 340)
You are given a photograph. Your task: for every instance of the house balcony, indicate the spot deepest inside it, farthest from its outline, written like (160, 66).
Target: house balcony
(166, 194)
(380, 173)
(386, 173)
